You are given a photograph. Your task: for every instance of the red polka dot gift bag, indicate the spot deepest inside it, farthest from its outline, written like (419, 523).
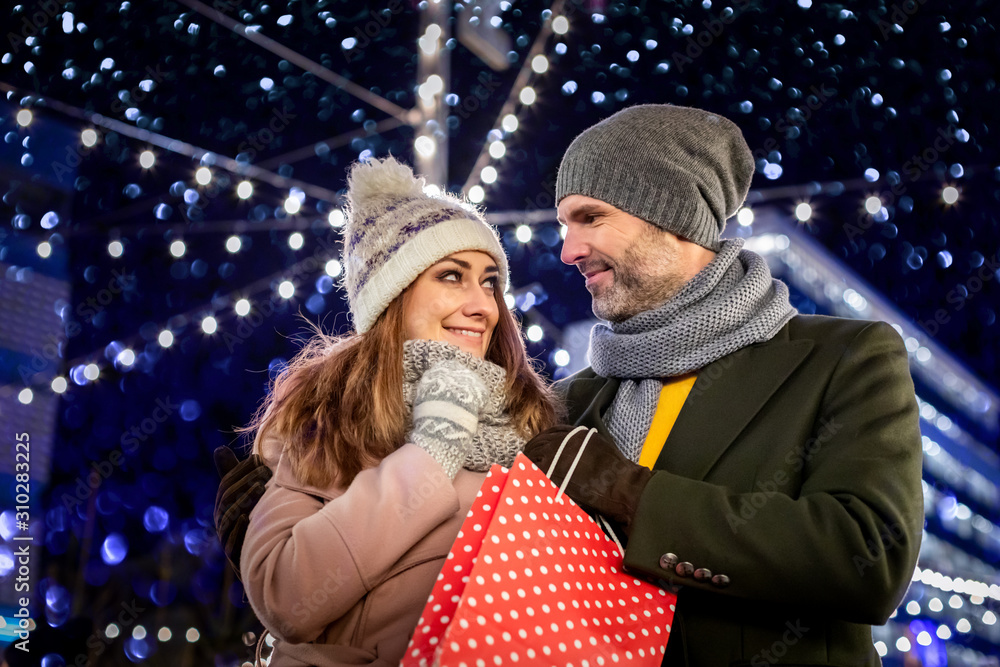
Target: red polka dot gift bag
(533, 580)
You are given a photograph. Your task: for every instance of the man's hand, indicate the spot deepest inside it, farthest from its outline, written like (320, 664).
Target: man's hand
(604, 481)
(241, 487)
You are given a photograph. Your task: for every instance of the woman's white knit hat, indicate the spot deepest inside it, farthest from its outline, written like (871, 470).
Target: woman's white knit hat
(395, 231)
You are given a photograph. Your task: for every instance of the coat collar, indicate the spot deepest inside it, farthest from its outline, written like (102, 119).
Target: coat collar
(726, 396)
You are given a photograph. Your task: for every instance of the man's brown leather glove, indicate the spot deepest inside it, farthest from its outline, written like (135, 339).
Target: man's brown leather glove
(241, 487)
(604, 481)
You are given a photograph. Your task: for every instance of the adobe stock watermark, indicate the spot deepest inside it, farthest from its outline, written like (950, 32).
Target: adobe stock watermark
(961, 294)
(255, 318)
(712, 30)
(754, 501)
(914, 167)
(364, 35)
(88, 309)
(76, 152)
(305, 610)
(899, 14)
(427, 489)
(488, 83)
(891, 536)
(33, 22)
(130, 439)
(794, 118)
(248, 148)
(769, 656)
(99, 642)
(259, 140)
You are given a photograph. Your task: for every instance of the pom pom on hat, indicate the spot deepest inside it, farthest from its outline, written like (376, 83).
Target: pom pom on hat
(395, 231)
(381, 179)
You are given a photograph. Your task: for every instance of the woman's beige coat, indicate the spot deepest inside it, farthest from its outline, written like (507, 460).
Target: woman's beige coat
(340, 576)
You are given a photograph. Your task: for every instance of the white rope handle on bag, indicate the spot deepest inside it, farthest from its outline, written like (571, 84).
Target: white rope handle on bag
(569, 474)
(562, 446)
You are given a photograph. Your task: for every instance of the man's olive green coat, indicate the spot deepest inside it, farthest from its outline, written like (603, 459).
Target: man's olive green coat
(786, 501)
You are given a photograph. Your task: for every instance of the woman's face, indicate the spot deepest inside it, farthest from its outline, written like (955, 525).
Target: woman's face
(454, 301)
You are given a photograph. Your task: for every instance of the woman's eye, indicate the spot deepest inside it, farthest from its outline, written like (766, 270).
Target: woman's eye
(490, 283)
(451, 276)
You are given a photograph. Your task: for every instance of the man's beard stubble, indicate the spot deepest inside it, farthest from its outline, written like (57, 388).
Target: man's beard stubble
(645, 276)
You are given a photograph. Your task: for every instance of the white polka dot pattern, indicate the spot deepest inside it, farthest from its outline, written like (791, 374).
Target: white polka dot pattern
(540, 582)
(443, 601)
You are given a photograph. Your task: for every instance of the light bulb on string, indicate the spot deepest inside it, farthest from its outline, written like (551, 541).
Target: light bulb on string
(803, 212)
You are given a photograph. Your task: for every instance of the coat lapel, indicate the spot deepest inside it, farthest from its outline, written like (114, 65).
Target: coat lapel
(726, 396)
(588, 398)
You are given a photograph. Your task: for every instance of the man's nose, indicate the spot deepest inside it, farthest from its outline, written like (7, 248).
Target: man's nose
(573, 248)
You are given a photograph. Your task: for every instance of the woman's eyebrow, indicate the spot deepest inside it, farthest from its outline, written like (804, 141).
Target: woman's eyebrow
(465, 265)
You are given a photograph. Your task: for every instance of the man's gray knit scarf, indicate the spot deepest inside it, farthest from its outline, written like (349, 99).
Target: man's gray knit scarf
(733, 302)
(495, 440)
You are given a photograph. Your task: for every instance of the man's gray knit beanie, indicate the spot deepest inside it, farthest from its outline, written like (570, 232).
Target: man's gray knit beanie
(682, 169)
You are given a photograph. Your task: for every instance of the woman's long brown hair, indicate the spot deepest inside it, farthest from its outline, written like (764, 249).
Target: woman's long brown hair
(337, 407)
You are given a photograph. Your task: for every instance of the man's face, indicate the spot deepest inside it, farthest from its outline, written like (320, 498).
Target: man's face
(630, 266)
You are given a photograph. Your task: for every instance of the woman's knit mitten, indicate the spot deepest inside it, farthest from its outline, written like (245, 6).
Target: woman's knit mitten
(446, 410)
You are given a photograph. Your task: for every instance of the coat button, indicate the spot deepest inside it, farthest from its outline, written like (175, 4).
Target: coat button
(720, 581)
(668, 560)
(684, 569)
(702, 574)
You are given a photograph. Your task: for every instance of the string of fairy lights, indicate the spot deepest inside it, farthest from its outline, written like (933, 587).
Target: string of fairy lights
(964, 604)
(522, 96)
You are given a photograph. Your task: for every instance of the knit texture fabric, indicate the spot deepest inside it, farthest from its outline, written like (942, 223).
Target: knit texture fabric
(446, 409)
(731, 303)
(495, 440)
(682, 169)
(395, 231)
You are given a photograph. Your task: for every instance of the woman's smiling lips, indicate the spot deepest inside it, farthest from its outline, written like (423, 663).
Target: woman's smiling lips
(466, 333)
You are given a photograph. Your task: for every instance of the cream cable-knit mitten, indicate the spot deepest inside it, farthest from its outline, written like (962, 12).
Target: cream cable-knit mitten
(446, 412)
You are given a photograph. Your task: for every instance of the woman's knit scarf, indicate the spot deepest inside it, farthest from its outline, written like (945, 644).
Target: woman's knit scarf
(731, 303)
(495, 441)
